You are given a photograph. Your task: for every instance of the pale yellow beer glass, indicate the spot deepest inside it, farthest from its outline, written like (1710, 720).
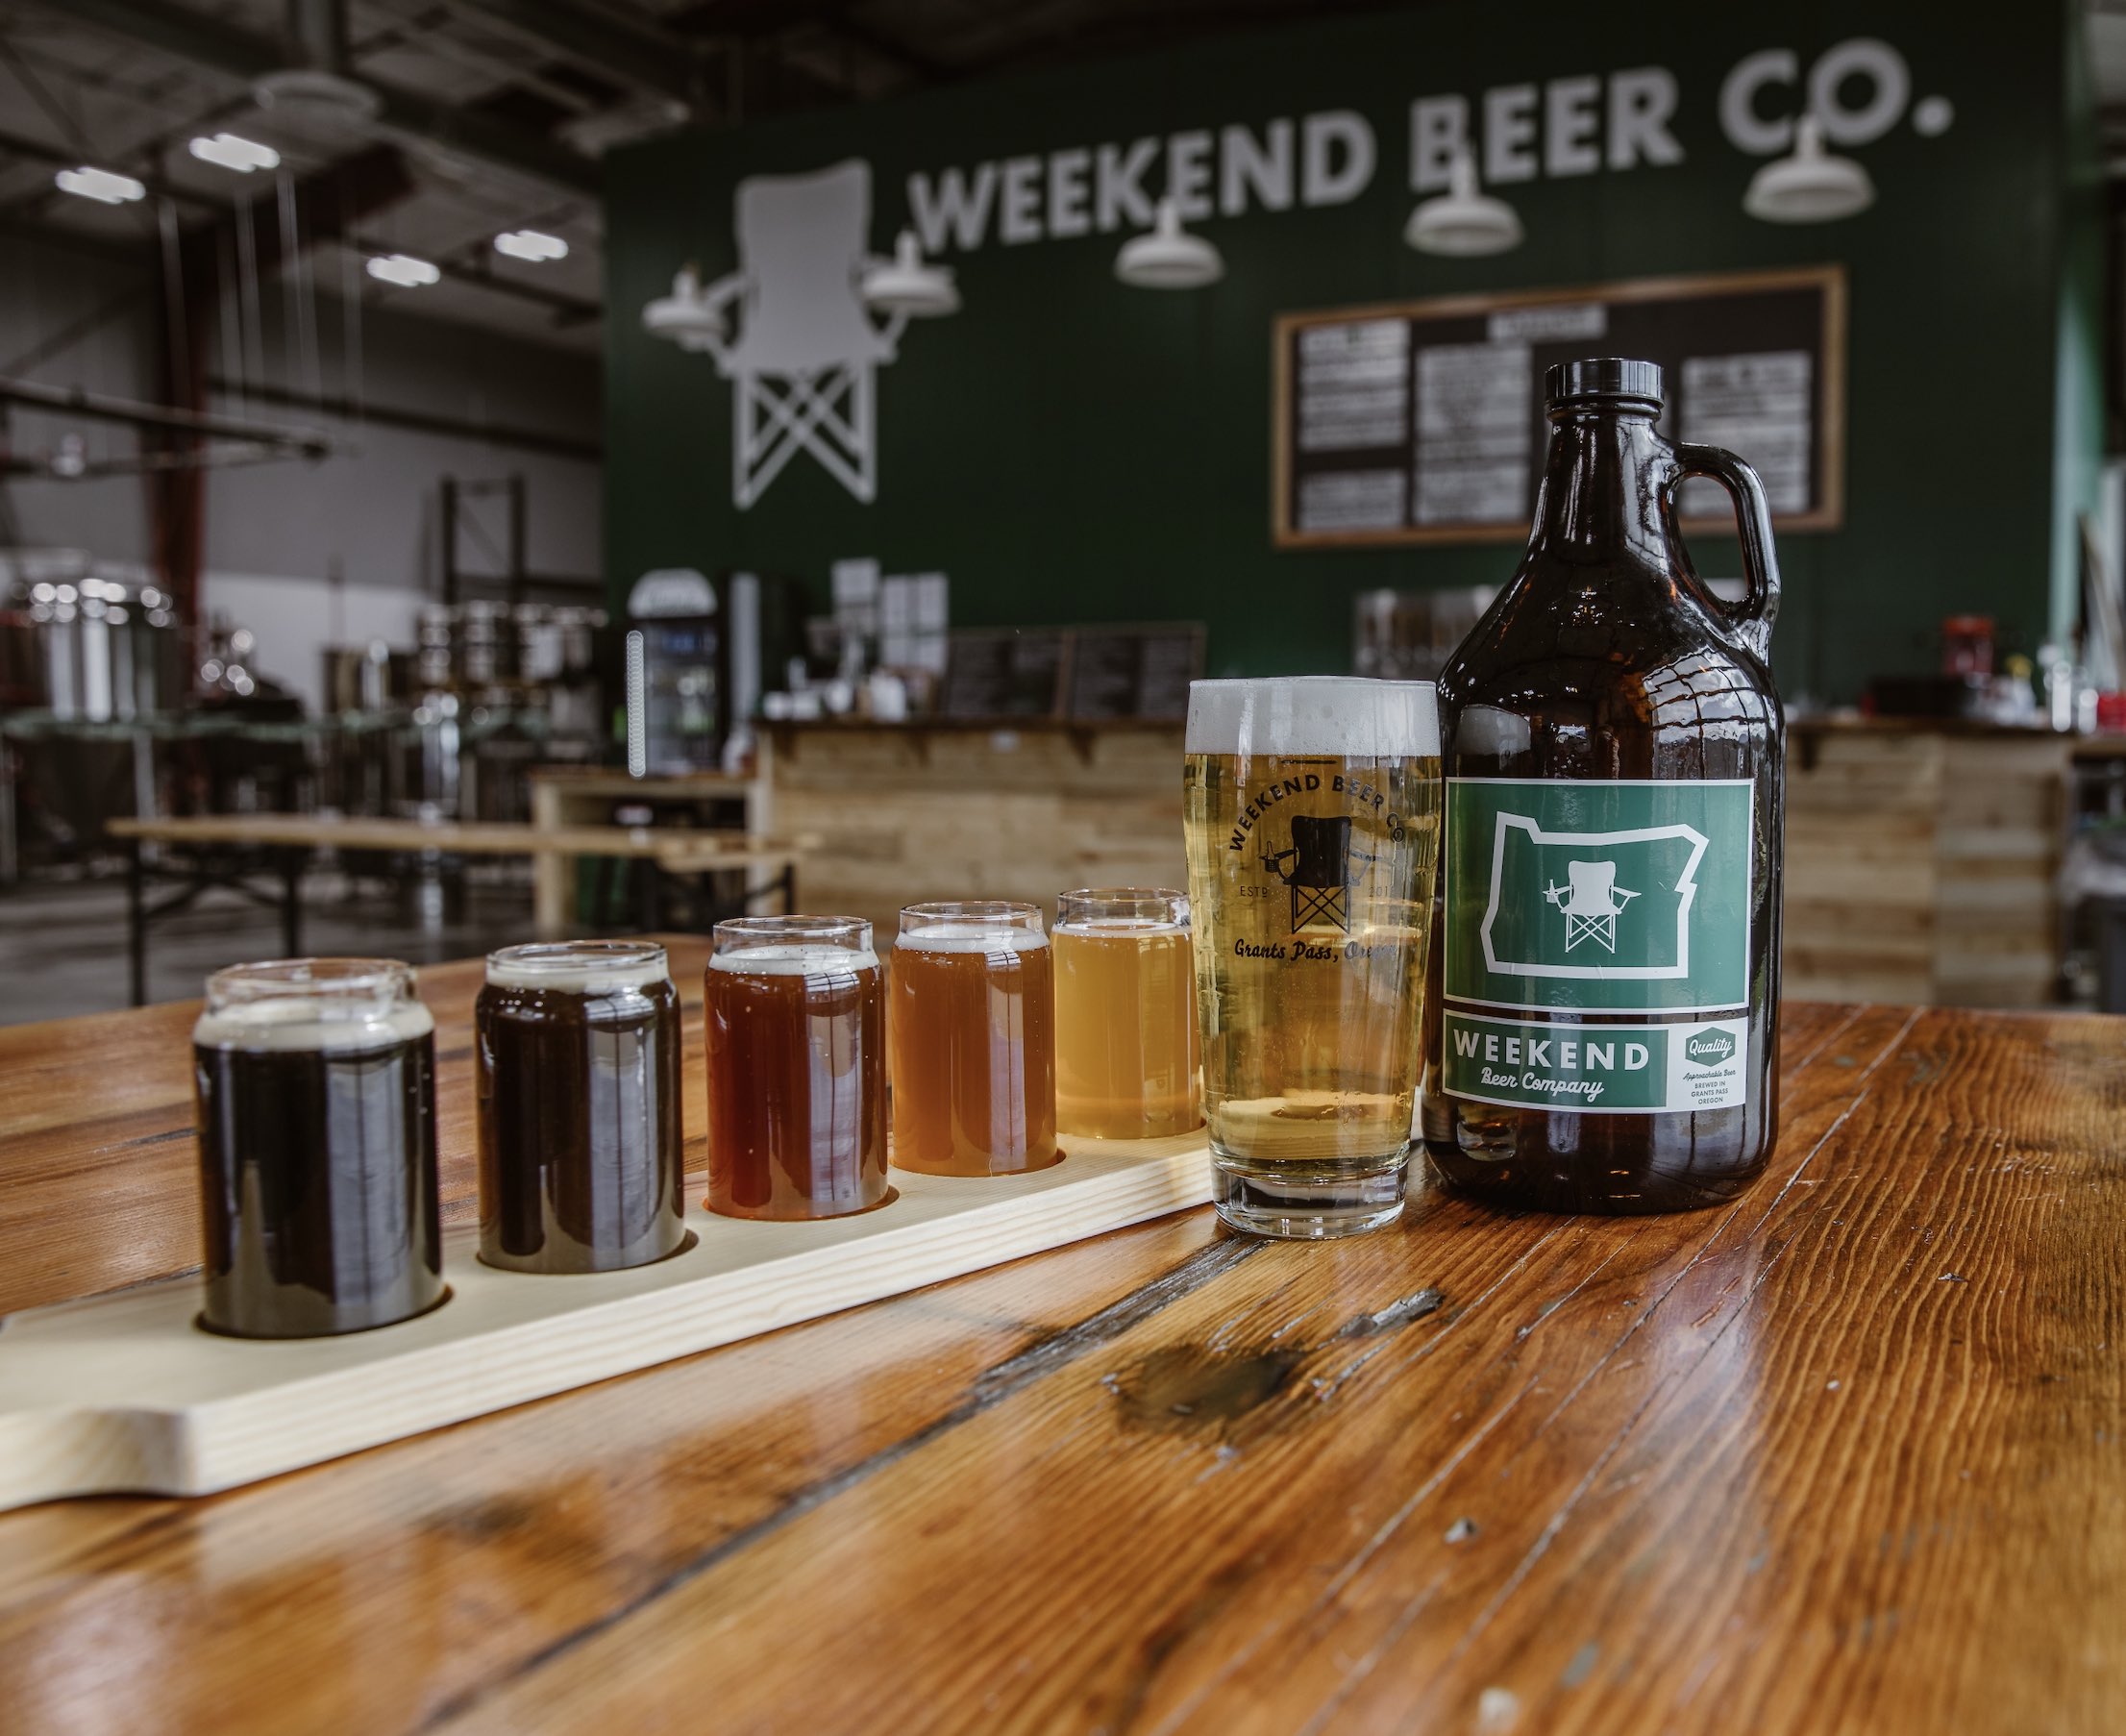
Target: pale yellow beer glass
(1127, 1065)
(1312, 821)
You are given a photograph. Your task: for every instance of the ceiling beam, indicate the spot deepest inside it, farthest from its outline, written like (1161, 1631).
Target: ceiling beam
(630, 46)
(755, 21)
(241, 54)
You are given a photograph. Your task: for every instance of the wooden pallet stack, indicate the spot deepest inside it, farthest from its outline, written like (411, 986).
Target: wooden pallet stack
(1921, 863)
(906, 814)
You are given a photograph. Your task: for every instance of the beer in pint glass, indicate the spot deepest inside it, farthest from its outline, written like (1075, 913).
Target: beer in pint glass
(1312, 821)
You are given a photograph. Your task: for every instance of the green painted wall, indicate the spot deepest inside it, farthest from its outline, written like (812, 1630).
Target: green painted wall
(1068, 449)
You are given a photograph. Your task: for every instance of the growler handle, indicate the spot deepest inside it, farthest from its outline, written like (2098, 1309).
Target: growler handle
(1751, 618)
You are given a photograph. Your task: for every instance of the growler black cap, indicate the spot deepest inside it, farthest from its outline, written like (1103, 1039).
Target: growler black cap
(1602, 377)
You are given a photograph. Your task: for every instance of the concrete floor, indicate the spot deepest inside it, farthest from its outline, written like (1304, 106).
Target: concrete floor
(62, 944)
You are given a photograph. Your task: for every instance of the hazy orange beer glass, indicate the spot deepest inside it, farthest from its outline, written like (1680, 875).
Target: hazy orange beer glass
(1127, 1065)
(974, 1040)
(796, 1018)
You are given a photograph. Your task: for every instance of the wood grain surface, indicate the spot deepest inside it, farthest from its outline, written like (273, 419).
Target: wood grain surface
(1844, 1457)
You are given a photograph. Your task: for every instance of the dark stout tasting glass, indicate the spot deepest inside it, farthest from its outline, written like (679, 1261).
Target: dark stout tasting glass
(576, 1066)
(315, 1081)
(796, 1016)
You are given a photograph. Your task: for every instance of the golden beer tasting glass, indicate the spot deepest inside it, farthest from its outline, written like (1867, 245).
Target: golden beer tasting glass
(1126, 1060)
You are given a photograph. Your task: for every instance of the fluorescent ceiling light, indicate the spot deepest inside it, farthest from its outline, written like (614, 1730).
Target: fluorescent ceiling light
(402, 269)
(225, 150)
(530, 244)
(100, 184)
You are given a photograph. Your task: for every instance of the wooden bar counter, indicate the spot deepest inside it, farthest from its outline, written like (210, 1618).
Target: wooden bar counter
(1921, 860)
(935, 809)
(1848, 1455)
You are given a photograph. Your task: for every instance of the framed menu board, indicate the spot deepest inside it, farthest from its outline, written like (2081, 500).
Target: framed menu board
(1134, 672)
(1005, 672)
(1422, 421)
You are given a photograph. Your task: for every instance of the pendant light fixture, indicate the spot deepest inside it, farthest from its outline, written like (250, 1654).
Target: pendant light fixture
(684, 317)
(1463, 222)
(1169, 257)
(1811, 186)
(905, 285)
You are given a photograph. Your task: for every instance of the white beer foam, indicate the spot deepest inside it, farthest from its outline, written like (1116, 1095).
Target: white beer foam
(1327, 714)
(973, 937)
(586, 979)
(1136, 928)
(293, 1023)
(794, 961)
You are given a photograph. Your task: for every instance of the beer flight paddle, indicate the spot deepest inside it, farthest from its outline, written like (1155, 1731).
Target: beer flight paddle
(341, 1317)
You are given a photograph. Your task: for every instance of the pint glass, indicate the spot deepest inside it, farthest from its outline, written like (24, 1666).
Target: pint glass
(1311, 818)
(974, 1040)
(795, 1014)
(1126, 1064)
(316, 1107)
(576, 1071)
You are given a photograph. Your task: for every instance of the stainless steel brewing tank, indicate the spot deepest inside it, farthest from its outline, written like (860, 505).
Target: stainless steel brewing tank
(85, 642)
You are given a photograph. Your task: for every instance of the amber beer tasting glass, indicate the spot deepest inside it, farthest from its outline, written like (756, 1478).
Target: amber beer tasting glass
(795, 1014)
(1126, 1064)
(1312, 822)
(973, 1039)
(576, 1072)
(316, 1108)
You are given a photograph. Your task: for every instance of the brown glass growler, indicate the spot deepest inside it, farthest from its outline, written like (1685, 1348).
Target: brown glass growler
(1603, 1030)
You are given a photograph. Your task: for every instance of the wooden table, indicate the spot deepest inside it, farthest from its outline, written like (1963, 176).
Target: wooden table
(225, 851)
(1845, 1456)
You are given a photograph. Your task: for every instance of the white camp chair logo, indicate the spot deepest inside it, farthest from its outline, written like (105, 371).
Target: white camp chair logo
(804, 358)
(1590, 903)
(1525, 870)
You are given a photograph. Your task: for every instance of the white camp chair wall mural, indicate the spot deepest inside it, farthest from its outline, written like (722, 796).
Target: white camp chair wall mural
(802, 325)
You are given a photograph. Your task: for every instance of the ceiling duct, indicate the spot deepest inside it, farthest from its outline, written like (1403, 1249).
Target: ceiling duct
(313, 93)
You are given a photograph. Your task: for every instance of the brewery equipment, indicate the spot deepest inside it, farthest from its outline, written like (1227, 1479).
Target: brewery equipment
(84, 640)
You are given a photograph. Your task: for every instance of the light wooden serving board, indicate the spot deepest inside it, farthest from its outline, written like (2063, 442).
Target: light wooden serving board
(123, 1393)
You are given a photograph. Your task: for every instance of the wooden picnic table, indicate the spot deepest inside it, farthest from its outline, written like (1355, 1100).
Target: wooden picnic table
(1845, 1455)
(227, 851)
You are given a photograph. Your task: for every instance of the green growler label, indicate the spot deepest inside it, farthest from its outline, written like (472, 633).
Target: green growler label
(1569, 896)
(1600, 1069)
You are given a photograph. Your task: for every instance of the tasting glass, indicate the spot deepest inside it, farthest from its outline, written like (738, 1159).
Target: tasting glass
(973, 1036)
(1126, 1061)
(314, 1082)
(795, 1010)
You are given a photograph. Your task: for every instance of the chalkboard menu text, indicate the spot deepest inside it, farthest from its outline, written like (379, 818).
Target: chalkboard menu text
(1422, 422)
